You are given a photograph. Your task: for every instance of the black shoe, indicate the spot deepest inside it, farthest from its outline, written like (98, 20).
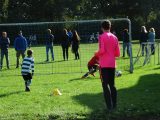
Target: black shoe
(17, 66)
(27, 89)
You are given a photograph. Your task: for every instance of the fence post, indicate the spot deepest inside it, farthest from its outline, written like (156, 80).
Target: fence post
(158, 53)
(131, 55)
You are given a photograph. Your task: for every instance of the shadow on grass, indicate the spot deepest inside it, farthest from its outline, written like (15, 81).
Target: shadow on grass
(11, 93)
(49, 62)
(137, 102)
(158, 68)
(84, 79)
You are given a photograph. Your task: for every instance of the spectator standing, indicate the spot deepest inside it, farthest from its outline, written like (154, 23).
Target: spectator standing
(20, 45)
(4, 45)
(151, 39)
(65, 43)
(49, 44)
(143, 39)
(75, 44)
(126, 42)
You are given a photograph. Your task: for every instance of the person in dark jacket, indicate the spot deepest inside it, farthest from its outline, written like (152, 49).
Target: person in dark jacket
(126, 42)
(143, 39)
(4, 45)
(20, 45)
(75, 44)
(49, 44)
(65, 43)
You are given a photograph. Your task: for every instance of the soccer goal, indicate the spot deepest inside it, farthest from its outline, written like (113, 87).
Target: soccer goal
(88, 31)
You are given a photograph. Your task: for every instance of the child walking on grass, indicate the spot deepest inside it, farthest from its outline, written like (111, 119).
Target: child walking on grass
(28, 69)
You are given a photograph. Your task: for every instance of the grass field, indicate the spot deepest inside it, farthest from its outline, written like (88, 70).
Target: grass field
(138, 93)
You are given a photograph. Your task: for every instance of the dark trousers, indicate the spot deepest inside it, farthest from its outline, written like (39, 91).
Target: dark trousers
(4, 53)
(65, 52)
(76, 54)
(49, 47)
(144, 46)
(152, 49)
(126, 45)
(109, 89)
(75, 48)
(18, 54)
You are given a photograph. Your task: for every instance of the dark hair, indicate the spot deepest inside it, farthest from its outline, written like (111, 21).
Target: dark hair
(106, 25)
(75, 36)
(29, 52)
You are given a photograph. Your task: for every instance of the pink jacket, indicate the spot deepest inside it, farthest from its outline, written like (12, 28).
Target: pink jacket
(108, 50)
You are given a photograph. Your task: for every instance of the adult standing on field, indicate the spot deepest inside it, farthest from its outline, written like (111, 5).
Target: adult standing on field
(151, 39)
(107, 53)
(75, 44)
(65, 43)
(20, 45)
(4, 45)
(49, 44)
(143, 40)
(126, 42)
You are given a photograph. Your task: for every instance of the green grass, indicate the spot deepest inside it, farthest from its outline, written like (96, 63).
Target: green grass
(138, 93)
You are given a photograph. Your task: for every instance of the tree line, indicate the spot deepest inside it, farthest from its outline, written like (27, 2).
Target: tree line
(141, 12)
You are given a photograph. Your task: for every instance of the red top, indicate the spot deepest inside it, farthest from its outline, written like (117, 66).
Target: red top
(94, 60)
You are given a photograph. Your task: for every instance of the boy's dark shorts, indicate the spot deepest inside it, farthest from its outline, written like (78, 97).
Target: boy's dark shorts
(27, 77)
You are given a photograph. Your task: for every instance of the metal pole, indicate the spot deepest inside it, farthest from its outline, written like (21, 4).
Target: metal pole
(130, 38)
(158, 54)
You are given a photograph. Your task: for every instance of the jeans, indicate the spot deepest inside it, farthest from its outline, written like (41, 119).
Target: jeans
(126, 45)
(4, 53)
(49, 47)
(109, 89)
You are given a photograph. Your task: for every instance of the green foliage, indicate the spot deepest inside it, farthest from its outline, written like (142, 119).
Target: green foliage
(140, 12)
(52, 10)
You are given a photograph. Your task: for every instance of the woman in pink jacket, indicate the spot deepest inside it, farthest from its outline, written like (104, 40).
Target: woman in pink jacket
(107, 53)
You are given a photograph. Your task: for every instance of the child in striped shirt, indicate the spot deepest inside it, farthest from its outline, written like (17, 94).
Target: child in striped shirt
(28, 69)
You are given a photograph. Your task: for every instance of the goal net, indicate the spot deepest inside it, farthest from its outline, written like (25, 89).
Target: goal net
(88, 31)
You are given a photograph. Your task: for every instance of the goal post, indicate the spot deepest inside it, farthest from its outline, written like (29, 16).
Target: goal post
(88, 31)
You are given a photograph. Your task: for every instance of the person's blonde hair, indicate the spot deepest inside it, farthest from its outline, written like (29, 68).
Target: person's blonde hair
(152, 30)
(4, 33)
(143, 29)
(49, 31)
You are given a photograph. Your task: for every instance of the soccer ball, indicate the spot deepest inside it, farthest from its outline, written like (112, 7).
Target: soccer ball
(118, 73)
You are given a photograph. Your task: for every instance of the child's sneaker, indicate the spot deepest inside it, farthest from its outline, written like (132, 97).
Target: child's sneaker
(93, 74)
